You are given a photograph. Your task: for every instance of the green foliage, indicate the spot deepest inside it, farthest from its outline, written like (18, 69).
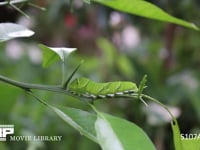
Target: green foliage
(191, 144)
(7, 102)
(184, 143)
(54, 54)
(119, 134)
(81, 120)
(176, 136)
(145, 9)
(142, 85)
(104, 129)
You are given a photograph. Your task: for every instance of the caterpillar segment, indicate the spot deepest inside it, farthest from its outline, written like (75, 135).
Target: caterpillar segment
(89, 89)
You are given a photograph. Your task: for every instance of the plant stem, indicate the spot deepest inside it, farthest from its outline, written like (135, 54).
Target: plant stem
(161, 104)
(28, 86)
(36, 6)
(63, 73)
(19, 10)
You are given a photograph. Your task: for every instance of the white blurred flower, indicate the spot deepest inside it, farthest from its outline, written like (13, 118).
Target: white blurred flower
(34, 54)
(29, 23)
(186, 79)
(78, 3)
(130, 37)
(115, 18)
(14, 49)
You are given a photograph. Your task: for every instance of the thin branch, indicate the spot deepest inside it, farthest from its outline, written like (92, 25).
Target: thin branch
(36, 6)
(28, 86)
(19, 10)
(159, 103)
(13, 2)
(136, 96)
(143, 101)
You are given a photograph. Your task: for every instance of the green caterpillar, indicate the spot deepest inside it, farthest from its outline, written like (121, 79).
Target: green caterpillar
(92, 90)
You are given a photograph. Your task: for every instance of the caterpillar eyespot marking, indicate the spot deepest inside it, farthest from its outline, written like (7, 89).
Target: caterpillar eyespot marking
(92, 90)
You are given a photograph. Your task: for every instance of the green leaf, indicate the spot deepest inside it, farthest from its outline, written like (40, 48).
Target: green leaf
(10, 31)
(108, 131)
(118, 134)
(176, 135)
(193, 144)
(145, 9)
(80, 120)
(184, 143)
(142, 85)
(7, 100)
(54, 54)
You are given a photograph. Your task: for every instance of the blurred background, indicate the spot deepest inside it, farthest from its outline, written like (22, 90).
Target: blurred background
(115, 46)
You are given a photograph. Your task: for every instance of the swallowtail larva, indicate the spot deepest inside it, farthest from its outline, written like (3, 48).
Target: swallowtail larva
(92, 90)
